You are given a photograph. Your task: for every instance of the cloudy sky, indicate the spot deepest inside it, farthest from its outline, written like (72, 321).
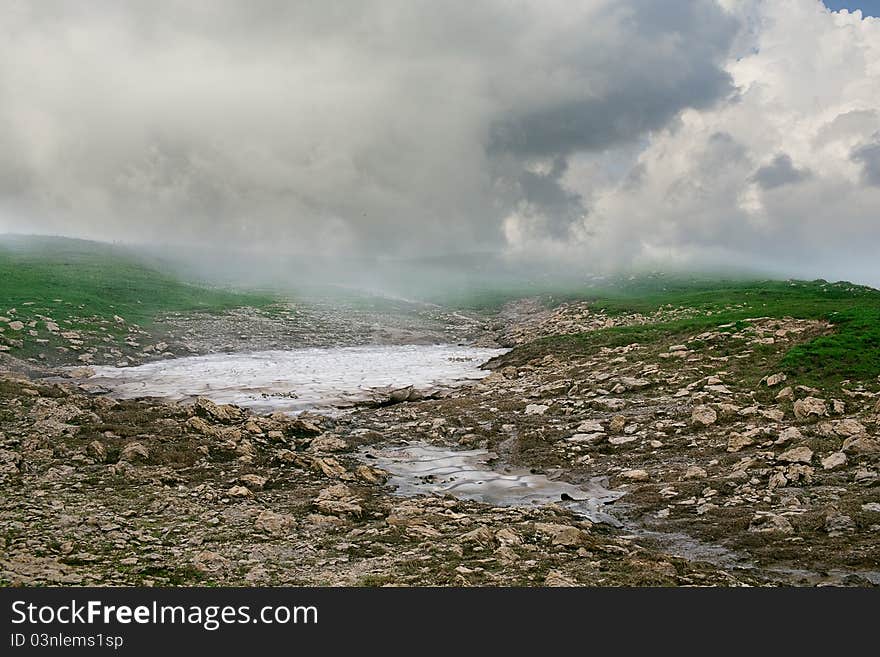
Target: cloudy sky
(611, 132)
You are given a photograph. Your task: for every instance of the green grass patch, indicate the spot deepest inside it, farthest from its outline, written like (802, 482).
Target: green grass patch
(61, 277)
(82, 285)
(851, 352)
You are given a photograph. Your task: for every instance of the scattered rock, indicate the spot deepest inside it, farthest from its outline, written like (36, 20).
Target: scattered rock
(372, 475)
(97, 451)
(219, 413)
(592, 426)
(848, 427)
(564, 535)
(298, 427)
(327, 443)
(738, 441)
(556, 578)
(861, 445)
(835, 460)
(635, 475)
(199, 425)
(837, 523)
(210, 562)
(338, 500)
(790, 434)
(770, 522)
(695, 472)
(134, 452)
(253, 481)
(704, 415)
(796, 455)
(630, 383)
(507, 537)
(239, 491)
(810, 408)
(328, 466)
(480, 535)
(786, 394)
(274, 523)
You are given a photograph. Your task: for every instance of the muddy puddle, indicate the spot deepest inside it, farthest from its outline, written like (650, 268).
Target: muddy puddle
(420, 469)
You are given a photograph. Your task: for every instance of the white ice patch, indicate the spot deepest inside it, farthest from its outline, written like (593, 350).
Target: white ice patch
(299, 379)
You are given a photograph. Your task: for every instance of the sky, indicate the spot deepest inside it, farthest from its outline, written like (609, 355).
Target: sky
(611, 133)
(867, 7)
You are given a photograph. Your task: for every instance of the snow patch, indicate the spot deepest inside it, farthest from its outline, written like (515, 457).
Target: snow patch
(299, 379)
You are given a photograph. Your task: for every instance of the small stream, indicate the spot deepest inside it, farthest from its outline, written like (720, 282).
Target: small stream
(421, 469)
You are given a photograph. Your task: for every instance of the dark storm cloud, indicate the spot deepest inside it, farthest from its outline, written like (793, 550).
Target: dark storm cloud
(868, 155)
(545, 190)
(781, 171)
(384, 126)
(672, 62)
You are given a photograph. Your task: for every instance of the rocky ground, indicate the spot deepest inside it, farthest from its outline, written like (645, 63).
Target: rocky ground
(733, 475)
(85, 339)
(320, 323)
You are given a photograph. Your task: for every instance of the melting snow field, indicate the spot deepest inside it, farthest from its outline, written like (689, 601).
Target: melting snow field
(299, 379)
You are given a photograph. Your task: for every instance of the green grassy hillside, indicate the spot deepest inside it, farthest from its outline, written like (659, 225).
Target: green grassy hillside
(852, 351)
(83, 286)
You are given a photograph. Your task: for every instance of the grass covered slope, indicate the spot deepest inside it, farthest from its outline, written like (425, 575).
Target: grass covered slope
(850, 351)
(52, 285)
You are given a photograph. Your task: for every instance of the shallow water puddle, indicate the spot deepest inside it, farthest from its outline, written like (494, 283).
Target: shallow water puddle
(298, 379)
(419, 469)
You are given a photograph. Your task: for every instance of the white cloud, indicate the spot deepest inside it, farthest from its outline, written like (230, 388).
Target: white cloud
(778, 178)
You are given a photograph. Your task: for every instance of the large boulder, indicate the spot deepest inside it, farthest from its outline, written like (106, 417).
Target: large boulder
(704, 415)
(801, 454)
(218, 413)
(97, 451)
(338, 500)
(848, 427)
(766, 523)
(810, 408)
(835, 460)
(861, 445)
(562, 535)
(736, 441)
(274, 523)
(134, 452)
